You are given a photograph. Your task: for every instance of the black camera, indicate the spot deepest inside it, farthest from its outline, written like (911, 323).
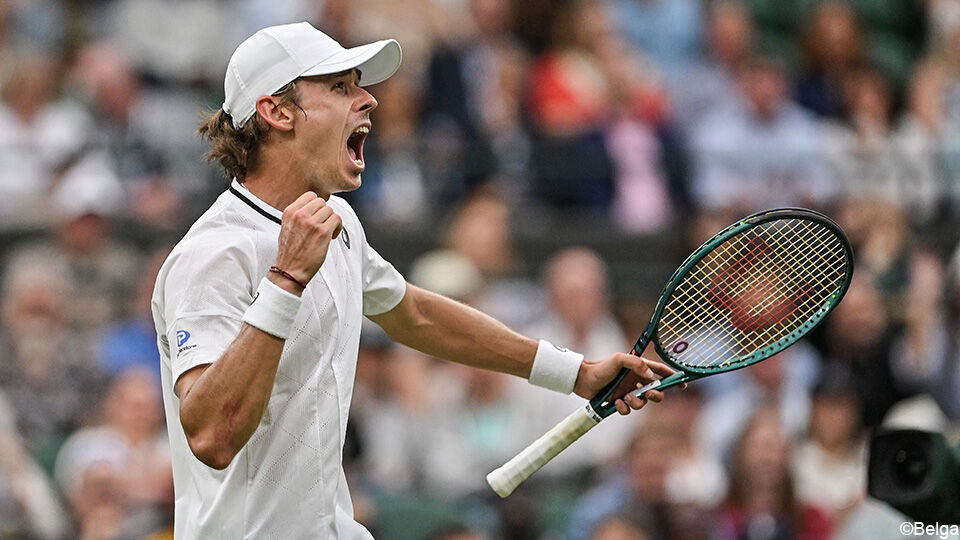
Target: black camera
(917, 473)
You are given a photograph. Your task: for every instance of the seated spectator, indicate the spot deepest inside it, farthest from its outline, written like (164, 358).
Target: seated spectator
(49, 373)
(929, 132)
(132, 341)
(618, 528)
(29, 506)
(395, 172)
(570, 101)
(480, 230)
(653, 483)
(833, 45)
(924, 354)
(710, 82)
(40, 137)
(474, 124)
(780, 384)
(102, 270)
(102, 78)
(666, 30)
(579, 318)
(830, 466)
(136, 455)
(761, 495)
(761, 152)
(866, 157)
(90, 474)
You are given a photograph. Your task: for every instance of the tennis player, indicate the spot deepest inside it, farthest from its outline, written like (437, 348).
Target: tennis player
(258, 308)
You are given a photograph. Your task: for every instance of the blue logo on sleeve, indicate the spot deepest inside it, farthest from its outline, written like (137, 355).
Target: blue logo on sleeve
(182, 337)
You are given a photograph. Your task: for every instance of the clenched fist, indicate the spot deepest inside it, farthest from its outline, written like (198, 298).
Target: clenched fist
(308, 226)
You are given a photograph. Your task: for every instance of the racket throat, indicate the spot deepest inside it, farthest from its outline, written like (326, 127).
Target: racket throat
(662, 384)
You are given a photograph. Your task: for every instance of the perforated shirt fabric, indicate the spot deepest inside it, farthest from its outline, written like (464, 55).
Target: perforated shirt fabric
(287, 481)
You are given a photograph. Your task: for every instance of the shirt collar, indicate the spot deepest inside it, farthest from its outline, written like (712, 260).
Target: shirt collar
(251, 200)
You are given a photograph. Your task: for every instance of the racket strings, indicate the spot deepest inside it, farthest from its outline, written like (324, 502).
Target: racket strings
(752, 291)
(763, 276)
(772, 265)
(719, 343)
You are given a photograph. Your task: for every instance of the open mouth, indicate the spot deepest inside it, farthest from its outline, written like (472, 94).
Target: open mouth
(355, 145)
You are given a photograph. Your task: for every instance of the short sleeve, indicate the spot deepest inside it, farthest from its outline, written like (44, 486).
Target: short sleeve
(206, 291)
(383, 286)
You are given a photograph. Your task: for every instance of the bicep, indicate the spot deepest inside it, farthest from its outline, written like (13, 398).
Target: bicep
(401, 316)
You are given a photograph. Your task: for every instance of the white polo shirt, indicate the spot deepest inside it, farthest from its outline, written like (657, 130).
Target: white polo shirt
(288, 481)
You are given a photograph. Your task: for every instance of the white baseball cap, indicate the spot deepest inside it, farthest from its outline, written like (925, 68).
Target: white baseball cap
(276, 55)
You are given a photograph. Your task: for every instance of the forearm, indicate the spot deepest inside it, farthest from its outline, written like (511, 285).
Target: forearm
(222, 408)
(452, 331)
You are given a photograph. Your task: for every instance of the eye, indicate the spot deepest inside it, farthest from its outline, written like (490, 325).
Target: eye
(339, 86)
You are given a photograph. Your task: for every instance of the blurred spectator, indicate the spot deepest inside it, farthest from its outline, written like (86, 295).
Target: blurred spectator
(636, 136)
(570, 99)
(923, 135)
(925, 356)
(929, 133)
(833, 45)
(90, 474)
(579, 318)
(173, 43)
(653, 484)
(666, 30)
(103, 79)
(473, 123)
(456, 532)
(858, 336)
(780, 384)
(133, 443)
(761, 502)
(102, 270)
(830, 467)
(577, 286)
(29, 507)
(879, 232)
(760, 152)
(710, 81)
(481, 231)
(618, 528)
(48, 372)
(448, 273)
(866, 156)
(132, 340)
(41, 137)
(418, 25)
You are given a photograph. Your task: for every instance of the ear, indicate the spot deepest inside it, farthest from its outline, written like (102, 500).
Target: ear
(278, 117)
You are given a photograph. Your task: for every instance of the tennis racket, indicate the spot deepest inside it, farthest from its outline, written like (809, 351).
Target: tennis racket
(747, 293)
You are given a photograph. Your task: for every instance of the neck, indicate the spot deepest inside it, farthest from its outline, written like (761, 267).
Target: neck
(279, 185)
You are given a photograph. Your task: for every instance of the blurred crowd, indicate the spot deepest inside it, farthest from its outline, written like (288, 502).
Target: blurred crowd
(636, 119)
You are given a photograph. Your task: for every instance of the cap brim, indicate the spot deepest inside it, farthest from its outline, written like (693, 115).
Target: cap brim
(376, 61)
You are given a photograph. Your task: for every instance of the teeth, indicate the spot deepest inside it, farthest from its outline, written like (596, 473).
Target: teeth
(362, 130)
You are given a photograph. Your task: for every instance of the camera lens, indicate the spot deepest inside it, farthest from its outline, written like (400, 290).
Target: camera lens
(910, 466)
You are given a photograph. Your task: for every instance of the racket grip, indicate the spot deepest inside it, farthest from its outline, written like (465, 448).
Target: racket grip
(506, 478)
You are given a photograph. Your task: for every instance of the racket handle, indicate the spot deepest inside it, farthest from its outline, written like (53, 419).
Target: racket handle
(505, 479)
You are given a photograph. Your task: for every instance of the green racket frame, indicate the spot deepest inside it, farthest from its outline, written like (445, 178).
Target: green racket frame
(603, 404)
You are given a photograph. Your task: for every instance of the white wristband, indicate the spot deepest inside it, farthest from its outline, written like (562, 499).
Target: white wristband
(273, 309)
(555, 368)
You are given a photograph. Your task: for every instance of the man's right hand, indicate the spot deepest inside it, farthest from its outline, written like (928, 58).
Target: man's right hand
(309, 225)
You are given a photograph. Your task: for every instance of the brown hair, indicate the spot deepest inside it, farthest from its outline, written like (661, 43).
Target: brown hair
(237, 149)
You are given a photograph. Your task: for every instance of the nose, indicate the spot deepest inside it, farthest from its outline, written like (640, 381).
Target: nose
(367, 101)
